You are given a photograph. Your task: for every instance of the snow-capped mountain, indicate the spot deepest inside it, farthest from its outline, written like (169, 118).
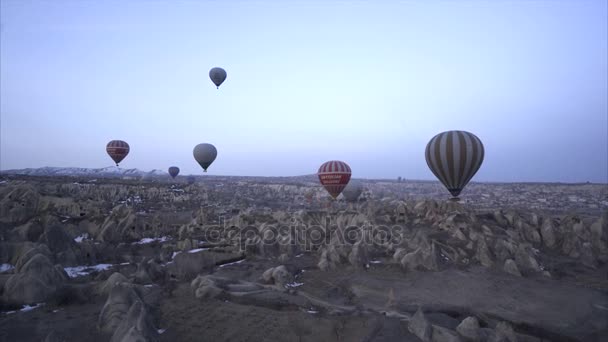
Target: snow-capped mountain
(110, 171)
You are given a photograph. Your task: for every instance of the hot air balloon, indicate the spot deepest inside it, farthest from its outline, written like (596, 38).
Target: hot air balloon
(218, 76)
(173, 171)
(334, 176)
(352, 191)
(118, 150)
(454, 157)
(205, 155)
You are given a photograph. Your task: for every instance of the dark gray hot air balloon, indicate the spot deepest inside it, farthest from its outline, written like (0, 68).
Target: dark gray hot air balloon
(454, 157)
(205, 155)
(174, 171)
(218, 76)
(352, 191)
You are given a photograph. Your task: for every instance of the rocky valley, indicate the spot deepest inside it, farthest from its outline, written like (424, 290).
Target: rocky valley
(147, 258)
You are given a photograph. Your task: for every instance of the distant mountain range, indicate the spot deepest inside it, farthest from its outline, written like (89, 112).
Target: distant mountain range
(110, 171)
(117, 172)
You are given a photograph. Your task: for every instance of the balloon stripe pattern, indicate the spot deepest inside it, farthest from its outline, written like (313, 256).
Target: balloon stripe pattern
(118, 150)
(334, 175)
(454, 157)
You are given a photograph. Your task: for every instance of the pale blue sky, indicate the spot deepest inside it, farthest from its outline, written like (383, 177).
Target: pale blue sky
(366, 82)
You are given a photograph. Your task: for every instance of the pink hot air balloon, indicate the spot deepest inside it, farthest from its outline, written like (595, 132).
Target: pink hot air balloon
(334, 176)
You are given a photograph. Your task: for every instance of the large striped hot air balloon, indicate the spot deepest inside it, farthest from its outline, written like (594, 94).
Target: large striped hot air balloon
(334, 176)
(118, 150)
(173, 171)
(454, 157)
(217, 76)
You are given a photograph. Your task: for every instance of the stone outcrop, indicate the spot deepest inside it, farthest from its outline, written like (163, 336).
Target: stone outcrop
(278, 276)
(126, 313)
(36, 281)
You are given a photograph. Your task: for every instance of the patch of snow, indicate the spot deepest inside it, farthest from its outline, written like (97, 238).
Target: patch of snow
(6, 267)
(150, 240)
(160, 331)
(196, 250)
(294, 284)
(376, 261)
(27, 308)
(148, 285)
(312, 311)
(135, 199)
(3, 182)
(299, 255)
(78, 271)
(232, 263)
(125, 263)
(55, 311)
(156, 172)
(82, 237)
(174, 254)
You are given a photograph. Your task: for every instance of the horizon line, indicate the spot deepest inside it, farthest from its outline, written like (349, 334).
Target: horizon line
(12, 171)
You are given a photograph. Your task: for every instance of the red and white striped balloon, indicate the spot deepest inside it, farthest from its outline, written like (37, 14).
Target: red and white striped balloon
(118, 150)
(334, 176)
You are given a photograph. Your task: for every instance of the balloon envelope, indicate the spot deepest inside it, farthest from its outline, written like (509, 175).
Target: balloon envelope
(454, 157)
(204, 154)
(352, 191)
(334, 176)
(218, 76)
(118, 150)
(174, 171)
